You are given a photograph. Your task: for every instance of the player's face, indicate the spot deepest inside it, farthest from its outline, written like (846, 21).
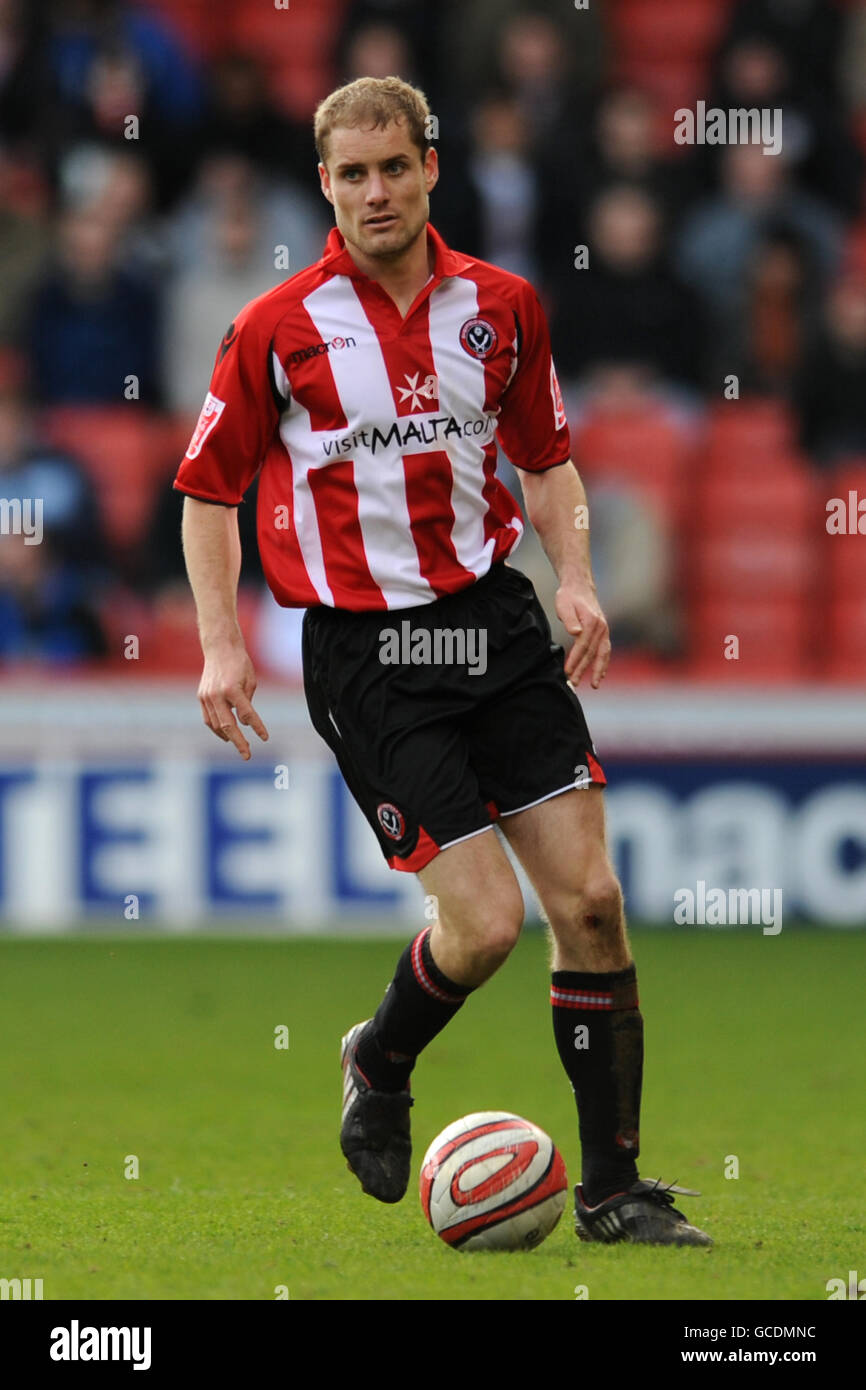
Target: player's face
(379, 187)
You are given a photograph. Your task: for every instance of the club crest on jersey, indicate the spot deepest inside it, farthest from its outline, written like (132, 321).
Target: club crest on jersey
(391, 820)
(478, 338)
(210, 412)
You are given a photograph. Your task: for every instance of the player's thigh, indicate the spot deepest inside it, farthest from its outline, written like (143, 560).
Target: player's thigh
(562, 845)
(479, 903)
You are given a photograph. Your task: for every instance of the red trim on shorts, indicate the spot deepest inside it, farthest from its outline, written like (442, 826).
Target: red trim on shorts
(596, 770)
(425, 850)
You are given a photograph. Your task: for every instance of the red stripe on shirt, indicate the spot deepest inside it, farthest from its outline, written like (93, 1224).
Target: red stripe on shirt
(346, 570)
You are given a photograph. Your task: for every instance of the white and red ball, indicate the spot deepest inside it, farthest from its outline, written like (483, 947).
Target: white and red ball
(493, 1181)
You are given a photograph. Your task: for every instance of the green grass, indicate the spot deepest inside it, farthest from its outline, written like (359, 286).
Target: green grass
(164, 1049)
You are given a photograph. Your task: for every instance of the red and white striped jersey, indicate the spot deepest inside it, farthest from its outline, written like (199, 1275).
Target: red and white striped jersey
(376, 434)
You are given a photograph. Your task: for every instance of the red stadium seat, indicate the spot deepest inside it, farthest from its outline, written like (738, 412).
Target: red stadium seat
(738, 432)
(295, 44)
(676, 28)
(123, 449)
(854, 253)
(644, 451)
(776, 643)
(673, 85)
(845, 651)
(845, 553)
(755, 563)
(124, 615)
(192, 21)
(784, 502)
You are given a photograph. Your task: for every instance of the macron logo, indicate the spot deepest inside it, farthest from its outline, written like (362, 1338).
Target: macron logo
(75, 1343)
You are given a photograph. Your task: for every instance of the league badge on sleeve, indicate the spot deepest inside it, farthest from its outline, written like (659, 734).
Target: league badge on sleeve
(210, 412)
(556, 396)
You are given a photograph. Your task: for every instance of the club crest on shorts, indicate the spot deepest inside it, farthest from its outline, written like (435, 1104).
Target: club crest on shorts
(391, 820)
(210, 412)
(478, 338)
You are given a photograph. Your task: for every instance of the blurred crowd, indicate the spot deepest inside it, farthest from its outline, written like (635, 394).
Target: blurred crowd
(146, 181)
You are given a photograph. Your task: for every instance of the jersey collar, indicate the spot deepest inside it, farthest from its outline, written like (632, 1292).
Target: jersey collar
(338, 261)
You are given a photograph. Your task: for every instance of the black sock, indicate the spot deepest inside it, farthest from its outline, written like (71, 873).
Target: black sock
(599, 1034)
(418, 1003)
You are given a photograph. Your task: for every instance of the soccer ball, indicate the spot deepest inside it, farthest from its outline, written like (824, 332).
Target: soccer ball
(493, 1181)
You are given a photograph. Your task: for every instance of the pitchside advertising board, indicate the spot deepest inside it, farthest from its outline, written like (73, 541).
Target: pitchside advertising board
(128, 818)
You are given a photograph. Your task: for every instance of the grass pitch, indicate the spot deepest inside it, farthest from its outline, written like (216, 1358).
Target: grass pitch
(159, 1054)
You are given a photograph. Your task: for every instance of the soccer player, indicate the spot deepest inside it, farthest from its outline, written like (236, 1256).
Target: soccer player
(370, 390)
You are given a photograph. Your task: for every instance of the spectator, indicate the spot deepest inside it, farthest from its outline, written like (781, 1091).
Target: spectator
(538, 50)
(83, 32)
(775, 321)
(46, 613)
(204, 299)
(756, 72)
(93, 323)
(24, 73)
(241, 118)
(31, 469)
(622, 147)
(626, 308)
(25, 244)
(719, 238)
(238, 236)
(116, 187)
(832, 387)
(505, 187)
(112, 63)
(286, 216)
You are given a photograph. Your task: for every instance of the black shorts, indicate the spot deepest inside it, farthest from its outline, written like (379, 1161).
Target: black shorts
(446, 716)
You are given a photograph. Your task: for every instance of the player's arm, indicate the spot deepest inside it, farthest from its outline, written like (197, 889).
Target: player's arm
(237, 421)
(212, 550)
(556, 506)
(533, 431)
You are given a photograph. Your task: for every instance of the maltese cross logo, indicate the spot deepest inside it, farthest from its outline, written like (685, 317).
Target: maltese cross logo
(429, 390)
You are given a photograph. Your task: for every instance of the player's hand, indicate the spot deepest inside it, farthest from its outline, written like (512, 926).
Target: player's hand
(228, 683)
(579, 611)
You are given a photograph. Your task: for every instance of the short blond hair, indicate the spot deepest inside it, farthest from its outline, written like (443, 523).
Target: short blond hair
(374, 102)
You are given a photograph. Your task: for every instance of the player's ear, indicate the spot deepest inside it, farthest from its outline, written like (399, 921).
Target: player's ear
(431, 168)
(325, 183)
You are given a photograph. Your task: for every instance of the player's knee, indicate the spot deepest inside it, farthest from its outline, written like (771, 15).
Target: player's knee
(496, 927)
(599, 910)
(594, 910)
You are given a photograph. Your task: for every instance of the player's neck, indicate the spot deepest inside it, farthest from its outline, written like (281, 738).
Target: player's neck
(405, 276)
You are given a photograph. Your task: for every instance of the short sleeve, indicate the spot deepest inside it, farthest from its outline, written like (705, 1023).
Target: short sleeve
(532, 428)
(238, 418)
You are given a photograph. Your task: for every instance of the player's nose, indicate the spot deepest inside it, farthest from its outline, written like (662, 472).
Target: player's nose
(376, 190)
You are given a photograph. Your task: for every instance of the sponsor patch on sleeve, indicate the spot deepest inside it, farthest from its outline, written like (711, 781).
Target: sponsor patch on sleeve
(556, 396)
(210, 412)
